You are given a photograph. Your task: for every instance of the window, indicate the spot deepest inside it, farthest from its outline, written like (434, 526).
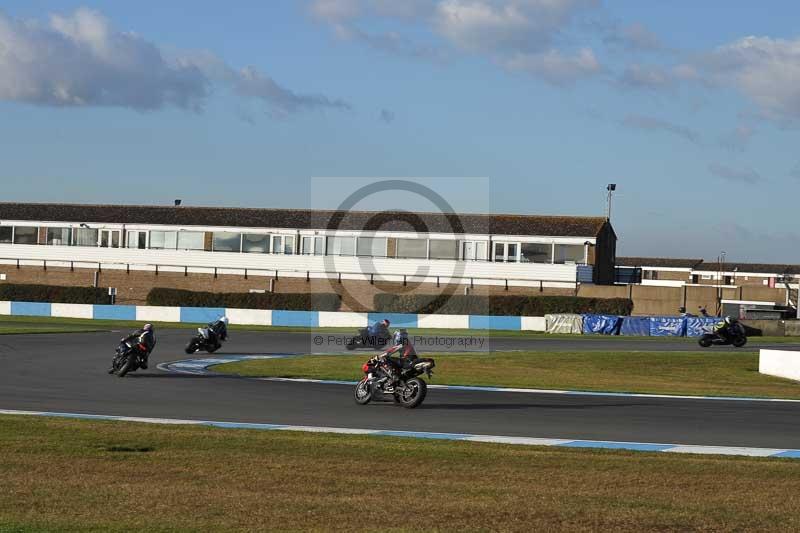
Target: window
(226, 241)
(341, 246)
(137, 239)
(6, 234)
(506, 252)
(164, 240)
(191, 240)
(534, 252)
(569, 253)
(109, 238)
(26, 235)
(313, 245)
(371, 247)
(283, 244)
(85, 237)
(254, 243)
(412, 248)
(473, 251)
(441, 249)
(59, 236)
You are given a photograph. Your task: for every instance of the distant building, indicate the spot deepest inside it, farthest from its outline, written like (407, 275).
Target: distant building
(426, 248)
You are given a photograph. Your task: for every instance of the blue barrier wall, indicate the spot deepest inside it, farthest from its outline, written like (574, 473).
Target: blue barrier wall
(602, 324)
(638, 326)
(114, 312)
(30, 308)
(202, 315)
(513, 323)
(309, 319)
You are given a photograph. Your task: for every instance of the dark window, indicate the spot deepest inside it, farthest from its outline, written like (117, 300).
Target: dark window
(26, 235)
(5, 234)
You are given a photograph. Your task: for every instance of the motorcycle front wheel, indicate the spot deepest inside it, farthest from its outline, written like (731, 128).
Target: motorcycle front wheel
(363, 393)
(127, 366)
(704, 341)
(191, 347)
(413, 394)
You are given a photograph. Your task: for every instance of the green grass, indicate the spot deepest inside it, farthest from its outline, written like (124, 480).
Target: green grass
(692, 373)
(67, 475)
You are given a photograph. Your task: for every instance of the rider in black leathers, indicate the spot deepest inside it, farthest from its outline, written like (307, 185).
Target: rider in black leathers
(218, 330)
(403, 348)
(145, 342)
(729, 328)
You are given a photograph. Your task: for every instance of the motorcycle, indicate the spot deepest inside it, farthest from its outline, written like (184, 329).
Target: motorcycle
(366, 340)
(127, 358)
(409, 390)
(202, 341)
(711, 337)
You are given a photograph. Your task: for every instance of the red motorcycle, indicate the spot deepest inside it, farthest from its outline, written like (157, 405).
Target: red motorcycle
(408, 390)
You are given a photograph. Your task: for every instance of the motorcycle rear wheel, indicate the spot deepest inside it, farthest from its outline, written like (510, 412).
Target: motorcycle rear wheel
(363, 393)
(741, 341)
(413, 394)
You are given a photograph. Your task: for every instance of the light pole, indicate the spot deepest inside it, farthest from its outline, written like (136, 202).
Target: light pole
(720, 273)
(611, 187)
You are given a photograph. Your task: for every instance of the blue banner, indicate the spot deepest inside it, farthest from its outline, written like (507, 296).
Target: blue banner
(601, 324)
(637, 326)
(695, 325)
(667, 326)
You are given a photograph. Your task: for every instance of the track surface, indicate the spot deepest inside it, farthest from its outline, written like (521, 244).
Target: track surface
(67, 373)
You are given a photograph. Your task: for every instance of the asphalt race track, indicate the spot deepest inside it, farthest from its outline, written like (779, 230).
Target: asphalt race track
(67, 373)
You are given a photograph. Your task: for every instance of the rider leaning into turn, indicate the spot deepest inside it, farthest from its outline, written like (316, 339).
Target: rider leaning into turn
(218, 330)
(146, 341)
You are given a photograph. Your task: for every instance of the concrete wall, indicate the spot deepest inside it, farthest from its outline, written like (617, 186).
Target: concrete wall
(780, 363)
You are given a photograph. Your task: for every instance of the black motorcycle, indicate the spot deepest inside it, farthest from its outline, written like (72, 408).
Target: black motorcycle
(409, 390)
(365, 339)
(128, 358)
(203, 341)
(711, 337)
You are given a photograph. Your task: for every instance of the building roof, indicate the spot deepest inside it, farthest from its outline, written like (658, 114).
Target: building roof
(755, 268)
(551, 226)
(662, 262)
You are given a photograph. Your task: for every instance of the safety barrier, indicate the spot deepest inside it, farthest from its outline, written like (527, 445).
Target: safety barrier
(266, 317)
(556, 323)
(646, 326)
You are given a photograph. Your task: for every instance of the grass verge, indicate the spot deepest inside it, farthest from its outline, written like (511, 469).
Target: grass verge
(66, 475)
(692, 373)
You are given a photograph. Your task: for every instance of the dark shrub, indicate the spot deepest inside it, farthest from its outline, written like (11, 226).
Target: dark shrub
(289, 301)
(53, 293)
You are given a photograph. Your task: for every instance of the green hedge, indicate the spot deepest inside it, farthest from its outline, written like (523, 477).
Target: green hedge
(459, 304)
(289, 301)
(53, 293)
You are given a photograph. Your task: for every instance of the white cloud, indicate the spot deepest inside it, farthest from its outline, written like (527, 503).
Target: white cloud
(643, 122)
(744, 175)
(765, 70)
(492, 26)
(635, 37)
(80, 59)
(554, 67)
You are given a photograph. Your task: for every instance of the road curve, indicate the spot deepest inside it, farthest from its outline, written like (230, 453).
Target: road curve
(67, 373)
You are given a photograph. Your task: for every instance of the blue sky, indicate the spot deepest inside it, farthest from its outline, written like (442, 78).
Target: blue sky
(690, 107)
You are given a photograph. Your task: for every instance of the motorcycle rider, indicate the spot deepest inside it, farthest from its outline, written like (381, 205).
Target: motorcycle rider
(218, 331)
(403, 347)
(379, 331)
(728, 328)
(145, 342)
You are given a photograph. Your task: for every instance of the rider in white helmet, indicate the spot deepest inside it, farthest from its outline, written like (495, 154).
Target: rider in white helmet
(218, 330)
